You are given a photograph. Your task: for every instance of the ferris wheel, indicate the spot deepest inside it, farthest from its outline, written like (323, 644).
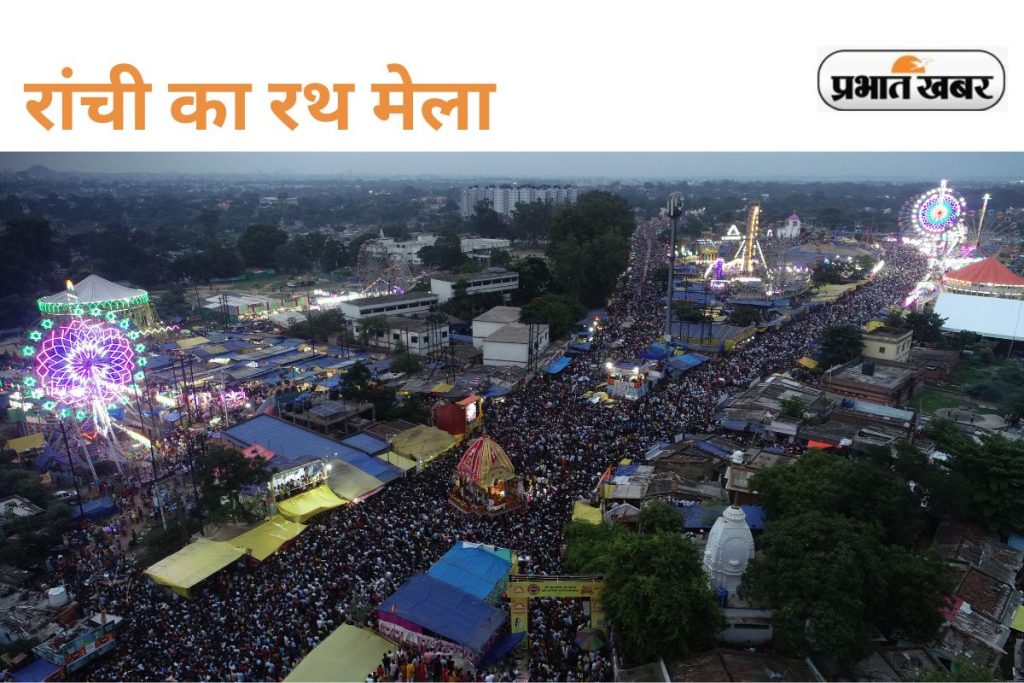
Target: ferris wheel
(381, 273)
(85, 367)
(935, 221)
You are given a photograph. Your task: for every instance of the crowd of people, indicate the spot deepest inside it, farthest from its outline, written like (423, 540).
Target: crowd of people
(256, 621)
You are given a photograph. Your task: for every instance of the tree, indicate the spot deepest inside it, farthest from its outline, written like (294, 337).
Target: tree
(589, 246)
(744, 316)
(403, 362)
(993, 471)
(659, 517)
(534, 279)
(500, 258)
(411, 409)
(830, 579)
(894, 319)
(687, 311)
(656, 592)
(531, 221)
(371, 329)
(258, 245)
(559, 312)
(485, 221)
(445, 253)
(861, 490)
(793, 407)
(927, 327)
(174, 302)
(840, 344)
(221, 473)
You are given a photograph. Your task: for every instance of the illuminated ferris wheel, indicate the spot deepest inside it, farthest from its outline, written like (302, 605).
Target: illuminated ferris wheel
(935, 221)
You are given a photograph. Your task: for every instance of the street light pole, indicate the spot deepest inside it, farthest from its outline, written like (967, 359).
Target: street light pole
(674, 211)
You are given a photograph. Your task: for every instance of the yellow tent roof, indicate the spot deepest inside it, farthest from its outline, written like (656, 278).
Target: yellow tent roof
(441, 388)
(192, 564)
(192, 342)
(265, 539)
(1018, 620)
(583, 512)
(309, 504)
(872, 325)
(422, 442)
(350, 482)
(398, 460)
(808, 363)
(348, 654)
(26, 443)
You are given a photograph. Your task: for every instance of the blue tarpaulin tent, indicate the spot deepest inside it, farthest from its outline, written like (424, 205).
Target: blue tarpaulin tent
(703, 517)
(370, 445)
(494, 391)
(557, 365)
(505, 644)
(39, 670)
(686, 362)
(447, 611)
(473, 570)
(101, 508)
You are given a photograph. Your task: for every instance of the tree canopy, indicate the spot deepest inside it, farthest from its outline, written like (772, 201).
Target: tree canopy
(840, 344)
(259, 243)
(559, 312)
(589, 246)
(656, 592)
(836, 559)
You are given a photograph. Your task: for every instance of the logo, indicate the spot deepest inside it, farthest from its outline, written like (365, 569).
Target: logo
(911, 80)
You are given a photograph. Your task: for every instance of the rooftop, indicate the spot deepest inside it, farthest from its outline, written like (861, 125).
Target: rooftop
(469, 277)
(499, 314)
(739, 665)
(984, 594)
(402, 322)
(886, 376)
(394, 298)
(887, 332)
(514, 333)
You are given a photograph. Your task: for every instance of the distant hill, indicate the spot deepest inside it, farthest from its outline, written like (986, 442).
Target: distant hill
(38, 171)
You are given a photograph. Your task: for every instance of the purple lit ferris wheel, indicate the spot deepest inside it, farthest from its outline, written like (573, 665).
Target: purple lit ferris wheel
(935, 221)
(84, 361)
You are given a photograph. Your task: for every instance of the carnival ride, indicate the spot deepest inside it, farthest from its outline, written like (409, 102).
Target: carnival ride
(989, 233)
(94, 292)
(87, 363)
(381, 273)
(935, 222)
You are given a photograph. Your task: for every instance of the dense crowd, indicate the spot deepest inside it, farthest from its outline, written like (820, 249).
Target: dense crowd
(256, 622)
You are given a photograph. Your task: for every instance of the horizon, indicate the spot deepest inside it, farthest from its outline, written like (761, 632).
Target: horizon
(959, 167)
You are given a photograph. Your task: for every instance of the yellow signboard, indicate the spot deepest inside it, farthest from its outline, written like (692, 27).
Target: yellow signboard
(521, 589)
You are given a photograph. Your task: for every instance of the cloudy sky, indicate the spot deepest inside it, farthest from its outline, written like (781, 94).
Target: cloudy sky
(553, 165)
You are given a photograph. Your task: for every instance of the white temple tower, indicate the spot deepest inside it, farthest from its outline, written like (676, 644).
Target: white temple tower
(729, 549)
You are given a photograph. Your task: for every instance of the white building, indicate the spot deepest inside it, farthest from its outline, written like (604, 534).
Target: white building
(397, 304)
(790, 230)
(492, 280)
(510, 344)
(486, 324)
(504, 199)
(729, 549)
(419, 336)
(481, 247)
(407, 251)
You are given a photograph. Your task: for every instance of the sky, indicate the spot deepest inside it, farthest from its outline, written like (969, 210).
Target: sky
(625, 166)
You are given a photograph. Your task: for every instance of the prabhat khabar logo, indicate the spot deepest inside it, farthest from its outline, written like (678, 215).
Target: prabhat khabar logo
(911, 80)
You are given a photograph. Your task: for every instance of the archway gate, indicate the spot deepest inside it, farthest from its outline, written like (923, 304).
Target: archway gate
(522, 588)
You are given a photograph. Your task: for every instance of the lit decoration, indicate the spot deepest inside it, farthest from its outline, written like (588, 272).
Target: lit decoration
(85, 361)
(935, 221)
